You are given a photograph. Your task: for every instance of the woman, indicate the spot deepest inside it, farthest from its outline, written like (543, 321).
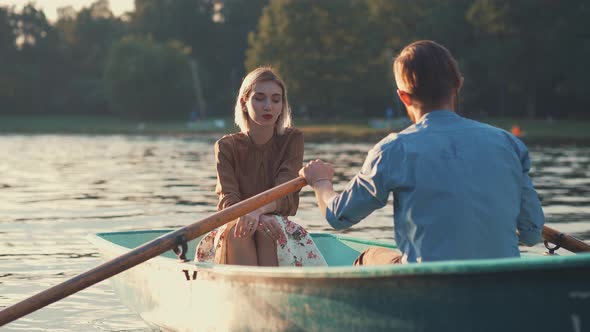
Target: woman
(266, 153)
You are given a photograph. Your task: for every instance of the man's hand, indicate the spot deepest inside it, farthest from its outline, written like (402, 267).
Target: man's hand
(318, 175)
(316, 171)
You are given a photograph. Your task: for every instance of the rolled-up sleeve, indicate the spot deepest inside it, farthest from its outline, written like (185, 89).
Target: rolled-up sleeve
(530, 220)
(227, 187)
(288, 170)
(365, 193)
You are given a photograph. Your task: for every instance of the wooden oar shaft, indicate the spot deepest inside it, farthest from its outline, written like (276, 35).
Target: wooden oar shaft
(565, 241)
(145, 252)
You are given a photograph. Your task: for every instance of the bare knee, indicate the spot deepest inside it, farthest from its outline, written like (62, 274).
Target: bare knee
(239, 241)
(241, 250)
(266, 249)
(263, 238)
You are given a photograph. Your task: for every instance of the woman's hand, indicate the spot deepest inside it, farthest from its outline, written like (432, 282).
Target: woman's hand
(268, 224)
(246, 225)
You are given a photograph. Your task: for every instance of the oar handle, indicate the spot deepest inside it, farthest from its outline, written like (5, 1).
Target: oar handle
(565, 241)
(144, 252)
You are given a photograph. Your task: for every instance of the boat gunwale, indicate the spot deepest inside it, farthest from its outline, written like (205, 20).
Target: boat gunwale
(453, 267)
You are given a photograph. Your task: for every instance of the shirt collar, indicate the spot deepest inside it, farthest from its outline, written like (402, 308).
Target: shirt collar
(437, 115)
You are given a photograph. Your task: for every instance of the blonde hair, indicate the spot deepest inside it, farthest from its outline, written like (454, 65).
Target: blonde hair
(261, 74)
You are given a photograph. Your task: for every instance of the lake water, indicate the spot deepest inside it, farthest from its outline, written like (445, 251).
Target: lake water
(55, 190)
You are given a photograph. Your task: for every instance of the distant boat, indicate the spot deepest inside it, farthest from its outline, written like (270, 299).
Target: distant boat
(533, 293)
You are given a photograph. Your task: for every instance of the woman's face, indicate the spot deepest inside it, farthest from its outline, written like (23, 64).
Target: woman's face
(265, 103)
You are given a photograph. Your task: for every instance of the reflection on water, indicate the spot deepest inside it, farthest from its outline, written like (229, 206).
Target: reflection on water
(55, 190)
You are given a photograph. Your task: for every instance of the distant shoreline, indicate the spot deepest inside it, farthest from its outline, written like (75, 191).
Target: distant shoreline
(546, 132)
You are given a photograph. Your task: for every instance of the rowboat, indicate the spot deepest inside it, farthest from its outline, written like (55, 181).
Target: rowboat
(531, 293)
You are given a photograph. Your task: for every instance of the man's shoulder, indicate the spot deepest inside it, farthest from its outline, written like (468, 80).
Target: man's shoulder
(483, 125)
(397, 139)
(390, 143)
(416, 134)
(508, 136)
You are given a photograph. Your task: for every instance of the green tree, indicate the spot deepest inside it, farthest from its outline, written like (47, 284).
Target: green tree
(234, 21)
(87, 36)
(7, 55)
(323, 51)
(7, 35)
(215, 30)
(530, 46)
(402, 22)
(149, 80)
(190, 22)
(33, 71)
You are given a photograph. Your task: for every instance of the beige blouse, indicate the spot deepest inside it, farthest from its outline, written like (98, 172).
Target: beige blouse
(245, 169)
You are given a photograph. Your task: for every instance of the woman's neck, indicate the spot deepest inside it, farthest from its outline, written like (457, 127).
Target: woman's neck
(260, 134)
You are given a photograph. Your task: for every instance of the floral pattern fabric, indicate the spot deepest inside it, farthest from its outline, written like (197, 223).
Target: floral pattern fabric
(295, 247)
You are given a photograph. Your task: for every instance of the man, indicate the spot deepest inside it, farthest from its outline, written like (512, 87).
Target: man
(461, 188)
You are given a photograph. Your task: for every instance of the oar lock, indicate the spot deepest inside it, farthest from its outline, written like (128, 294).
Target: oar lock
(552, 250)
(181, 248)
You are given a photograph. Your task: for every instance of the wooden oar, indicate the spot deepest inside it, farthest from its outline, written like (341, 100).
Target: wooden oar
(187, 233)
(565, 241)
(146, 251)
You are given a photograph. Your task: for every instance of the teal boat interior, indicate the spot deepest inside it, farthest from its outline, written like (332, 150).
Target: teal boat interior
(337, 250)
(340, 251)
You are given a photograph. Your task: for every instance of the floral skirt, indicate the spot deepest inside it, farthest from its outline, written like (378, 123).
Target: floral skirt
(294, 248)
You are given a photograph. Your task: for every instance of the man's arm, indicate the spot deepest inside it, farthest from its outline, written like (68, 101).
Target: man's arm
(318, 175)
(324, 192)
(530, 221)
(365, 193)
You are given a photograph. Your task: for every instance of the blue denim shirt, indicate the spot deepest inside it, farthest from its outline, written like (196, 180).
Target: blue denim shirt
(461, 190)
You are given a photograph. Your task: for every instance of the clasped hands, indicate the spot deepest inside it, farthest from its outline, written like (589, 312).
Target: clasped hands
(249, 223)
(315, 171)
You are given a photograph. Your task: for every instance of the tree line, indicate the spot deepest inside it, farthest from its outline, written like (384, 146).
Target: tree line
(168, 59)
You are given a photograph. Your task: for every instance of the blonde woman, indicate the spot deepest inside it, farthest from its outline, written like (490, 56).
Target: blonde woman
(265, 153)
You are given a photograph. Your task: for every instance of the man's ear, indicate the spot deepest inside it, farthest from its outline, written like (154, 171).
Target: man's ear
(404, 97)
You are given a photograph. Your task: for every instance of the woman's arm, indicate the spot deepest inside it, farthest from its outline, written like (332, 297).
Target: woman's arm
(288, 169)
(227, 187)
